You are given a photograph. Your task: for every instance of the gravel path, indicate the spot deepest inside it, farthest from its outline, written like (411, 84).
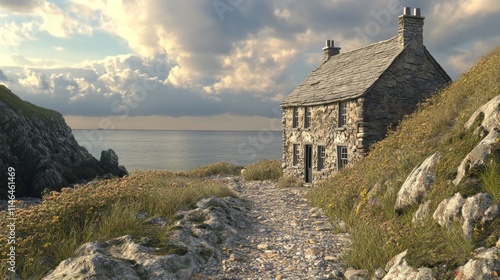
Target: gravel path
(288, 239)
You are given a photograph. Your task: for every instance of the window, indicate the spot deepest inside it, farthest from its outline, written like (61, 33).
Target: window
(342, 114)
(295, 154)
(295, 122)
(321, 157)
(342, 156)
(307, 117)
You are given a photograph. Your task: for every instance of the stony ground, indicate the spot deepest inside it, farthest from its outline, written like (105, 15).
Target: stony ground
(288, 239)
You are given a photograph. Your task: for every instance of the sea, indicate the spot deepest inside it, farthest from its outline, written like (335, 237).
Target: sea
(181, 150)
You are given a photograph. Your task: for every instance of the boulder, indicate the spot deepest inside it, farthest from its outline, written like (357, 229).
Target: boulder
(476, 209)
(491, 113)
(422, 213)
(109, 161)
(398, 269)
(478, 156)
(418, 184)
(355, 274)
(485, 265)
(449, 210)
(194, 239)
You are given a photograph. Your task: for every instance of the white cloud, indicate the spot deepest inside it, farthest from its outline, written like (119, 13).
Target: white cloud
(466, 57)
(13, 34)
(34, 81)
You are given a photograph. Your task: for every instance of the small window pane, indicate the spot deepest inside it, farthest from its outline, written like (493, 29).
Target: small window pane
(307, 117)
(295, 117)
(342, 156)
(342, 114)
(321, 157)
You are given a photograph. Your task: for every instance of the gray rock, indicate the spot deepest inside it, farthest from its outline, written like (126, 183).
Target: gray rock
(474, 211)
(159, 221)
(485, 265)
(422, 213)
(41, 147)
(477, 157)
(355, 274)
(419, 182)
(123, 258)
(449, 210)
(379, 273)
(491, 111)
(398, 269)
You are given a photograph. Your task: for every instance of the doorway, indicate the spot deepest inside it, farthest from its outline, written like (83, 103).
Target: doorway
(308, 163)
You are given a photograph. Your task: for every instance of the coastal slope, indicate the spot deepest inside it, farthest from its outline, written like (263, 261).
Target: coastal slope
(40, 146)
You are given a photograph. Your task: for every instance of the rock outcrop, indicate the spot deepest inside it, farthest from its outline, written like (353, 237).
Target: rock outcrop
(398, 269)
(418, 184)
(479, 208)
(478, 156)
(489, 126)
(484, 265)
(193, 241)
(449, 210)
(41, 147)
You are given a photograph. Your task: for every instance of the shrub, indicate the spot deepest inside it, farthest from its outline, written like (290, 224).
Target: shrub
(290, 182)
(218, 168)
(264, 170)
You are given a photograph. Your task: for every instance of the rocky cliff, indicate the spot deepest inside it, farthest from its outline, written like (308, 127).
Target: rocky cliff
(41, 147)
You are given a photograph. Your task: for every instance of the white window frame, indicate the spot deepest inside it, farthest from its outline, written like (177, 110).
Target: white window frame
(341, 160)
(342, 114)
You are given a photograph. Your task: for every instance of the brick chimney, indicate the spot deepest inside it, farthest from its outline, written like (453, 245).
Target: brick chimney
(330, 50)
(411, 27)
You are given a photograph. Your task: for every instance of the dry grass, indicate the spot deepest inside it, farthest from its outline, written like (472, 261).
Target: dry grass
(51, 231)
(264, 170)
(436, 126)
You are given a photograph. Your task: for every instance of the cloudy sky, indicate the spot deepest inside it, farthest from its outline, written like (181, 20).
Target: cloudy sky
(205, 64)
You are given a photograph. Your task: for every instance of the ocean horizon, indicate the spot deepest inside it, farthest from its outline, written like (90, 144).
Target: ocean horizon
(178, 150)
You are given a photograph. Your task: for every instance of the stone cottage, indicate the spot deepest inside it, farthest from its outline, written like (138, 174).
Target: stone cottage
(349, 101)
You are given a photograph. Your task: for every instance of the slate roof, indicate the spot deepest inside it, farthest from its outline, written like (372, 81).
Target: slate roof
(346, 75)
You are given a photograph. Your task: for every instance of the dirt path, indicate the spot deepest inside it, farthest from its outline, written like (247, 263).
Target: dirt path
(288, 239)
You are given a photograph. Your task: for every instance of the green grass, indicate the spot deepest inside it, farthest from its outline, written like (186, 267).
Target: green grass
(264, 170)
(491, 178)
(25, 108)
(50, 232)
(438, 125)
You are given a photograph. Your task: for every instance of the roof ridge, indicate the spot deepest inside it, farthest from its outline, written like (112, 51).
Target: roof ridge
(370, 45)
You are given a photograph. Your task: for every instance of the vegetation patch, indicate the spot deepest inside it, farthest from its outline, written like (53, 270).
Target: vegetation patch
(50, 232)
(25, 108)
(218, 168)
(377, 232)
(263, 170)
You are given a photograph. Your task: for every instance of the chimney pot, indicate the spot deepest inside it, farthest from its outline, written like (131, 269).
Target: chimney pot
(411, 27)
(330, 50)
(416, 12)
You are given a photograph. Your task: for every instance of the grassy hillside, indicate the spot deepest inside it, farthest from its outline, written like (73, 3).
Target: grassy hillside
(24, 108)
(378, 233)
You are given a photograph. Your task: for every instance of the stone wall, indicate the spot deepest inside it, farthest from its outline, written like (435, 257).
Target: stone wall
(412, 78)
(323, 131)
